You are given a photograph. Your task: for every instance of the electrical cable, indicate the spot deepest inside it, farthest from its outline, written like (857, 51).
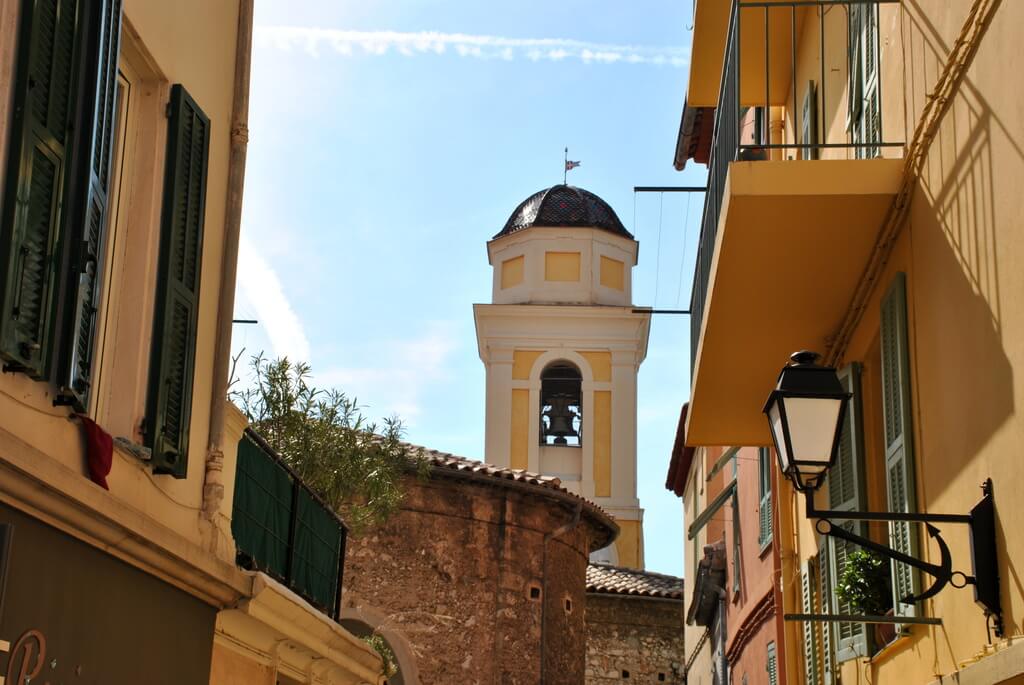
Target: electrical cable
(682, 262)
(657, 268)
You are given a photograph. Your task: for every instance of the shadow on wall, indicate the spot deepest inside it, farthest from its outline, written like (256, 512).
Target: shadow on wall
(967, 197)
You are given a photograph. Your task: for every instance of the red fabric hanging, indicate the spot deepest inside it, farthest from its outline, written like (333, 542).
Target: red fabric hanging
(99, 451)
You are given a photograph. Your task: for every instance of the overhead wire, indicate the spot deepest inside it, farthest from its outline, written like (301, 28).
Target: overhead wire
(682, 262)
(657, 268)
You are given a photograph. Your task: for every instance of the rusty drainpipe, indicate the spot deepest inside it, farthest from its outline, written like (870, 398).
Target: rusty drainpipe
(558, 532)
(213, 485)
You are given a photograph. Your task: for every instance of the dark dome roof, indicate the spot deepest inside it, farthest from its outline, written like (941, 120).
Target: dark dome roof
(564, 205)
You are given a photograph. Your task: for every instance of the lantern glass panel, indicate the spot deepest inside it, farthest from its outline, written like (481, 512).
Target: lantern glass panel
(779, 435)
(812, 430)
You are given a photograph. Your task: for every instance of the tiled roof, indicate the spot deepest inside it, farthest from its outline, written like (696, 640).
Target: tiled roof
(564, 205)
(615, 580)
(442, 462)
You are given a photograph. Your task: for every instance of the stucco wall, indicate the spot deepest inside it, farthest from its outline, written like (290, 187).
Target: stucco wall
(634, 636)
(449, 578)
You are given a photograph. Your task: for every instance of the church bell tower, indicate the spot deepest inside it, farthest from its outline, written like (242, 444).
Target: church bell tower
(562, 348)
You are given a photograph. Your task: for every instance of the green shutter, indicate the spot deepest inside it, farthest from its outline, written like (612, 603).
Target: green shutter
(737, 549)
(772, 666)
(76, 368)
(764, 507)
(809, 122)
(30, 236)
(899, 450)
(172, 363)
(824, 605)
(846, 492)
(807, 587)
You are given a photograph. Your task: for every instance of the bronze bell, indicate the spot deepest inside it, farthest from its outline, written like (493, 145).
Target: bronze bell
(560, 415)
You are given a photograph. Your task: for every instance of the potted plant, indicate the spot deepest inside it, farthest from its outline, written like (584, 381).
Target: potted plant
(865, 587)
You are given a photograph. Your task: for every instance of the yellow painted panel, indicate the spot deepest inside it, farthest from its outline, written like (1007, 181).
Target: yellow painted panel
(602, 443)
(629, 544)
(561, 266)
(612, 273)
(512, 271)
(600, 364)
(518, 450)
(522, 363)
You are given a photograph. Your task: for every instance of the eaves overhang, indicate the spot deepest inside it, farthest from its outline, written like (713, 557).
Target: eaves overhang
(792, 242)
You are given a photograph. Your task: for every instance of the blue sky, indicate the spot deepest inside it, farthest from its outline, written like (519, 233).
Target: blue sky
(390, 140)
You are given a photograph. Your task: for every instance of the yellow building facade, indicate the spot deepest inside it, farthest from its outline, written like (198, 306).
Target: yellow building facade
(872, 219)
(122, 140)
(562, 347)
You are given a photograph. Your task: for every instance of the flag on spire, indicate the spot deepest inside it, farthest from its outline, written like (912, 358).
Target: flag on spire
(570, 165)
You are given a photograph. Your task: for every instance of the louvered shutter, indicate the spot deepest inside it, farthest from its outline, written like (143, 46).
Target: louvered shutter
(825, 590)
(30, 239)
(765, 503)
(855, 75)
(846, 492)
(772, 667)
(172, 363)
(899, 450)
(76, 369)
(809, 122)
(807, 588)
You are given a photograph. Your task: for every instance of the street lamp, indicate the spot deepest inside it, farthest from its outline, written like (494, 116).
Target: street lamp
(805, 413)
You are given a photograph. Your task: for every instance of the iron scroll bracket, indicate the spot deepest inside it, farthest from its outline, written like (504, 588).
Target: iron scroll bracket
(981, 521)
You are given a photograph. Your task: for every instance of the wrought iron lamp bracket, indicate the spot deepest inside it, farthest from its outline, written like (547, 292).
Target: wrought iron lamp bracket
(981, 520)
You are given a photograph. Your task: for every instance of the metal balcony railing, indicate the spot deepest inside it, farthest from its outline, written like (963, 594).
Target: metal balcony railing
(284, 529)
(807, 31)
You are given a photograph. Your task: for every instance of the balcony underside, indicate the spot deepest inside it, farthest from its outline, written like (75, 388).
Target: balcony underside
(793, 239)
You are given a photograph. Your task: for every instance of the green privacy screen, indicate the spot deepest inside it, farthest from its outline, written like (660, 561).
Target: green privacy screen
(282, 529)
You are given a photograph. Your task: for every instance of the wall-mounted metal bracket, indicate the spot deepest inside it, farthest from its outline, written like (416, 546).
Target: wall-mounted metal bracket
(984, 563)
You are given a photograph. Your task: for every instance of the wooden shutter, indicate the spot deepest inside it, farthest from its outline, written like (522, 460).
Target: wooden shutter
(807, 587)
(826, 590)
(89, 233)
(737, 547)
(172, 363)
(855, 75)
(899, 449)
(41, 131)
(765, 503)
(846, 492)
(772, 666)
(809, 122)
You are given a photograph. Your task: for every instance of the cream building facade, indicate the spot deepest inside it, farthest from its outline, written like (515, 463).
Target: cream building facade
(122, 157)
(562, 304)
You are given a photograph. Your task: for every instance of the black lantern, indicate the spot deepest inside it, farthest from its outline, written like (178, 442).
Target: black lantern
(805, 413)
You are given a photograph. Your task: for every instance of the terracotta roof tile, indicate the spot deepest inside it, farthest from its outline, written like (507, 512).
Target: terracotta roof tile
(616, 580)
(444, 461)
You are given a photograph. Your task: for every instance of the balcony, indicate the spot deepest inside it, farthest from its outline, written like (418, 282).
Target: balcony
(800, 179)
(284, 529)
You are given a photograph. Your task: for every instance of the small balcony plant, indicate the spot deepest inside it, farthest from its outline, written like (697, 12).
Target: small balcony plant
(865, 586)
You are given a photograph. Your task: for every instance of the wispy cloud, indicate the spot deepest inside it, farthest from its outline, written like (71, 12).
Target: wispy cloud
(313, 39)
(262, 288)
(400, 379)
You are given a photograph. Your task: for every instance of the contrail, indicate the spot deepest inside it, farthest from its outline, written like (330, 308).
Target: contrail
(312, 39)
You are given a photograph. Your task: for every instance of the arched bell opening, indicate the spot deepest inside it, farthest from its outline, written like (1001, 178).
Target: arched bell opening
(561, 405)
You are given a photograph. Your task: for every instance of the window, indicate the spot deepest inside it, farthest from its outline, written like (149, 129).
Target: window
(69, 156)
(764, 479)
(561, 412)
(864, 110)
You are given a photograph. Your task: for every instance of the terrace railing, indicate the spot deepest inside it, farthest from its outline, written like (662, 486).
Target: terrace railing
(284, 529)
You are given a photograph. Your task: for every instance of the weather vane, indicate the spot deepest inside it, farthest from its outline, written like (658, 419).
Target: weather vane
(569, 166)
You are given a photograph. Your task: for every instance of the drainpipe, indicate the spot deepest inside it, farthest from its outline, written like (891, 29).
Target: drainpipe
(558, 532)
(213, 485)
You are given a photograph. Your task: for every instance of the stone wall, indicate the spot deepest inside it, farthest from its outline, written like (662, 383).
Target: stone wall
(457, 582)
(632, 639)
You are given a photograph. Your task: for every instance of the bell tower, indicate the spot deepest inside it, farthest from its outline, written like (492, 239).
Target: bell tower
(562, 348)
